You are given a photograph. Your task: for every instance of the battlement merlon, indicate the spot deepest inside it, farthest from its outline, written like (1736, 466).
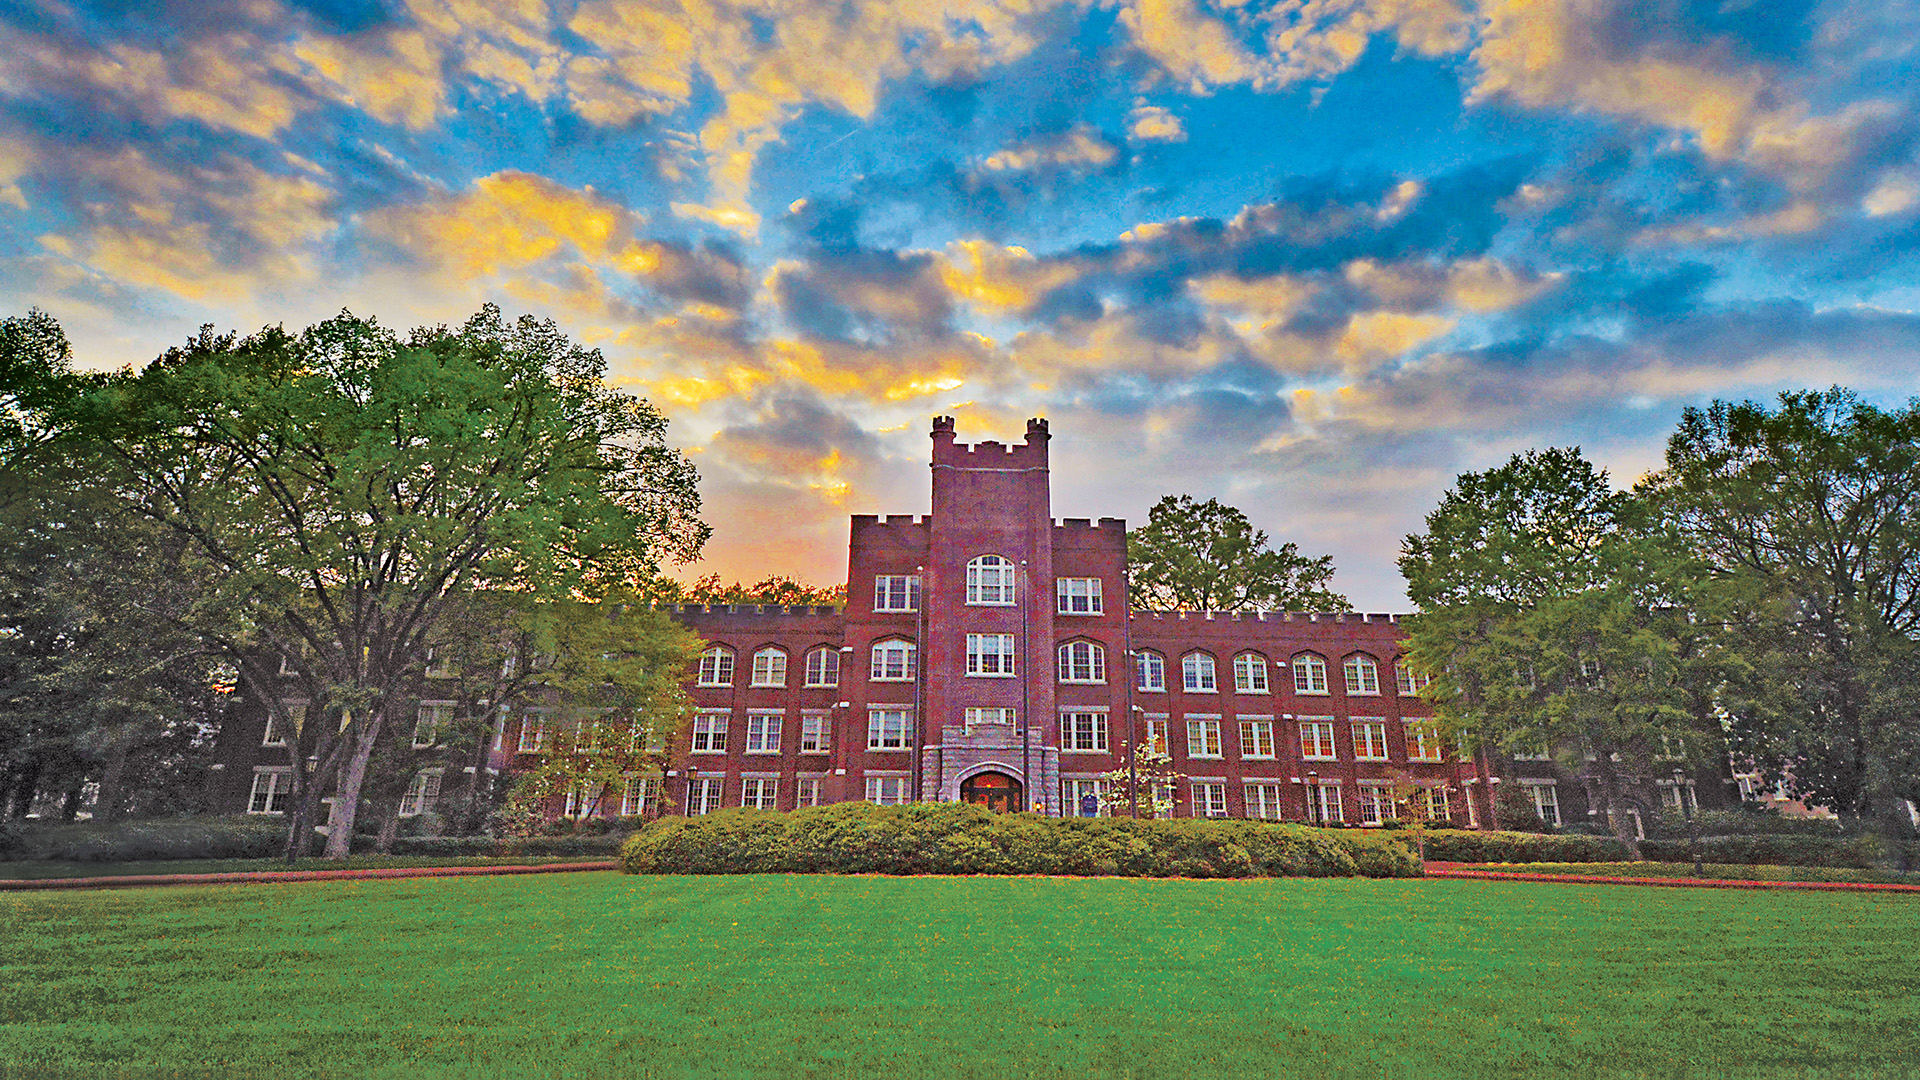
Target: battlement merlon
(1107, 534)
(990, 454)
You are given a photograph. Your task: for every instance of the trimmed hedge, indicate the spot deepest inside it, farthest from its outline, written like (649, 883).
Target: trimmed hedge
(1515, 847)
(158, 838)
(958, 838)
(1860, 852)
(450, 846)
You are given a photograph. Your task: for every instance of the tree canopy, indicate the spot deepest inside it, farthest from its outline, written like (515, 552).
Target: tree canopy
(1206, 556)
(339, 488)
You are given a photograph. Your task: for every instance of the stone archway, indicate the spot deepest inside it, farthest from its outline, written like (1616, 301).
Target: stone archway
(994, 790)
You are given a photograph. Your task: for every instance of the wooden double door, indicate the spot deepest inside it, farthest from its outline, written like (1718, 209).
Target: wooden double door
(996, 791)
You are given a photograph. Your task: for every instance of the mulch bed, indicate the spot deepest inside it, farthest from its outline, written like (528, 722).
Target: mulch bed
(256, 877)
(1455, 870)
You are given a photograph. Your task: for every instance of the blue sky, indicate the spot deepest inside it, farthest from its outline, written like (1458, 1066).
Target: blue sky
(1313, 258)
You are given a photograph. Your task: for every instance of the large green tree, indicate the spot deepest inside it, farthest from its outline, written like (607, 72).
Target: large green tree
(1206, 556)
(1808, 516)
(1550, 615)
(341, 488)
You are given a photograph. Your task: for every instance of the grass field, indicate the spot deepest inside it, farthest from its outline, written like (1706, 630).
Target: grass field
(30, 869)
(599, 974)
(1718, 871)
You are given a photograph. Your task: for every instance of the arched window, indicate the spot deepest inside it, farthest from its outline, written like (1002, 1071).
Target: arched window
(770, 667)
(823, 666)
(1197, 674)
(1309, 674)
(1151, 670)
(1083, 662)
(716, 667)
(1250, 673)
(1363, 675)
(892, 661)
(990, 581)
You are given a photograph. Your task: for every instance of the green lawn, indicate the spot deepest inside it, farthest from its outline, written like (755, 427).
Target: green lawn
(1714, 871)
(44, 869)
(599, 974)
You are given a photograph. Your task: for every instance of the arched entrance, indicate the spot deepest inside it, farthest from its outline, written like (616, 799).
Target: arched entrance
(996, 791)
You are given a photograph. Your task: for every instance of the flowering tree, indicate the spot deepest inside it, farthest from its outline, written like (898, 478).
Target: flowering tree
(1149, 789)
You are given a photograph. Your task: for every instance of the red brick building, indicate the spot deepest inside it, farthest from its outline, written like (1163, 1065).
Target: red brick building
(987, 653)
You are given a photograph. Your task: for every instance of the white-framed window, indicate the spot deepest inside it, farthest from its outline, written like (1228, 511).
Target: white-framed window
(1753, 787)
(1671, 749)
(1083, 730)
(1209, 798)
(896, 592)
(1262, 799)
(1203, 739)
(816, 733)
(763, 731)
(1672, 796)
(271, 786)
(431, 721)
(1151, 671)
(1532, 751)
(1156, 734)
(888, 790)
(716, 667)
(990, 655)
(1363, 675)
(289, 662)
(991, 714)
(438, 664)
(533, 732)
(770, 667)
(1326, 799)
(806, 791)
(1083, 662)
(1409, 680)
(823, 667)
(990, 581)
(706, 793)
(710, 731)
(1436, 803)
(296, 712)
(1197, 674)
(1316, 740)
(1073, 794)
(1256, 738)
(1590, 672)
(1077, 596)
(423, 791)
(887, 728)
(760, 793)
(1375, 803)
(1473, 808)
(642, 793)
(1309, 674)
(582, 800)
(1370, 738)
(1546, 799)
(1250, 673)
(892, 661)
(1423, 741)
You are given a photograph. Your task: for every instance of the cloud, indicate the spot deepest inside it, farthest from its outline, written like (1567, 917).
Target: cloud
(1152, 123)
(1077, 150)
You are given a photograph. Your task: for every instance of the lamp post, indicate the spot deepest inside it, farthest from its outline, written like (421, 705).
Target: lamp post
(1313, 791)
(1693, 826)
(691, 772)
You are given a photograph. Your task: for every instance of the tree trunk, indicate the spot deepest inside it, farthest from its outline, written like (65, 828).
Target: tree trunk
(1616, 808)
(353, 776)
(106, 806)
(389, 826)
(26, 785)
(70, 805)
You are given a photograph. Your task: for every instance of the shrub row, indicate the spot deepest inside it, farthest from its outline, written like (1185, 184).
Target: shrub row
(450, 846)
(159, 838)
(957, 838)
(1513, 847)
(1671, 825)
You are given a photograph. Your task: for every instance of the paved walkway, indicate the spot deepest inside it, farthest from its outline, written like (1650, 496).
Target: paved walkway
(134, 881)
(1456, 870)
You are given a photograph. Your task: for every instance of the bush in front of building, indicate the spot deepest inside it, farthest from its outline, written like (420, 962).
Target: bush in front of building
(439, 847)
(957, 838)
(254, 837)
(1450, 845)
(1832, 849)
(1670, 824)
